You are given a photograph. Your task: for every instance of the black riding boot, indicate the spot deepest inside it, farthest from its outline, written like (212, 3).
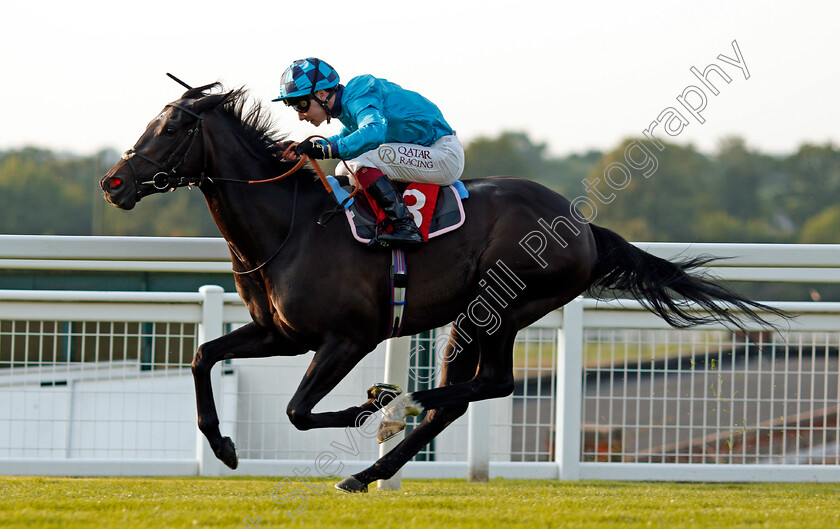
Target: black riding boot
(405, 231)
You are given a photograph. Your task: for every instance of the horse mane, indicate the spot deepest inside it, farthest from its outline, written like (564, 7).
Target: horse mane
(256, 125)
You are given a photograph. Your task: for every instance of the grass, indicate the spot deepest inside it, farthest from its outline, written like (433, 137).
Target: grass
(39, 502)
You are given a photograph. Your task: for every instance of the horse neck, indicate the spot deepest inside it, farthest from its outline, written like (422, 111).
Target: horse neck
(253, 218)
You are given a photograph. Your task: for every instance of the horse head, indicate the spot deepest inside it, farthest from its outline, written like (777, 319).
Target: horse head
(171, 153)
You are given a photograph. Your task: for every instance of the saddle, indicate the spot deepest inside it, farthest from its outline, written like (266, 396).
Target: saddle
(436, 209)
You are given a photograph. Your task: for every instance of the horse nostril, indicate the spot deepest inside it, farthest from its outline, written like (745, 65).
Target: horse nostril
(114, 182)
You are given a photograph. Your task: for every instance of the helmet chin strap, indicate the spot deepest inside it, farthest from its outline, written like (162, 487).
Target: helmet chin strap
(324, 104)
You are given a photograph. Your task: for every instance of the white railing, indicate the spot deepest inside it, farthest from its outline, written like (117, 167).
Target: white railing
(749, 262)
(98, 382)
(122, 254)
(698, 411)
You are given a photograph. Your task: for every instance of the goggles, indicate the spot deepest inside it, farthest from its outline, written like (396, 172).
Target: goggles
(299, 104)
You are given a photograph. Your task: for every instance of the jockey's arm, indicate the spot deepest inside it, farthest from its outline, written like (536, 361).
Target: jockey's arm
(370, 134)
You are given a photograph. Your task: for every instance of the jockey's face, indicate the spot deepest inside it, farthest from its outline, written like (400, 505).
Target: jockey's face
(316, 113)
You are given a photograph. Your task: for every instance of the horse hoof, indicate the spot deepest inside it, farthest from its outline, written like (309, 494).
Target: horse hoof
(376, 390)
(227, 453)
(388, 429)
(393, 416)
(351, 484)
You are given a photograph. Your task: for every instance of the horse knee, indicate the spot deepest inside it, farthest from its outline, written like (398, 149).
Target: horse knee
(300, 419)
(203, 360)
(198, 364)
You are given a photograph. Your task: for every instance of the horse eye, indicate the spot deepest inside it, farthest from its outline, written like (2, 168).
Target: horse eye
(169, 130)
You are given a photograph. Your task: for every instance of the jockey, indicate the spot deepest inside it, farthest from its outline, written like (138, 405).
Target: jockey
(387, 131)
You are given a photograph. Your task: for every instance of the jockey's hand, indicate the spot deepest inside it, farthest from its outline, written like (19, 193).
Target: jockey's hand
(313, 149)
(290, 147)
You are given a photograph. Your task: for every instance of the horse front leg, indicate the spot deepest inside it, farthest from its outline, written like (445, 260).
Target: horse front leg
(250, 341)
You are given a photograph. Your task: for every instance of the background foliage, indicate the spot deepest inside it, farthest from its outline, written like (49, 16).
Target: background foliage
(735, 194)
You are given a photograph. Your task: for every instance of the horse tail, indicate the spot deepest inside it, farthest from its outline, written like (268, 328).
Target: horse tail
(667, 288)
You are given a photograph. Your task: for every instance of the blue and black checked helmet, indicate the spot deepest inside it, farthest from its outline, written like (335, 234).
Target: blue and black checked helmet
(304, 77)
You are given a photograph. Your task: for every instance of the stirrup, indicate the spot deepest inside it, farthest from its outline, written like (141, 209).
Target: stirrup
(402, 235)
(379, 388)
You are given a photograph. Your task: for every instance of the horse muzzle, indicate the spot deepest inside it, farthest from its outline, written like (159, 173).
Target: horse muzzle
(118, 191)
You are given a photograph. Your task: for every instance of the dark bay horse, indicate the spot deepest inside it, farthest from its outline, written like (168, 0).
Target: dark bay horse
(524, 251)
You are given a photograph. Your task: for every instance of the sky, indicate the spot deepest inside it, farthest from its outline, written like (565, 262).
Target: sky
(87, 75)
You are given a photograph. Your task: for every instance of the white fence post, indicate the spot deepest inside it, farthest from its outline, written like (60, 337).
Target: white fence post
(478, 441)
(569, 387)
(397, 352)
(210, 328)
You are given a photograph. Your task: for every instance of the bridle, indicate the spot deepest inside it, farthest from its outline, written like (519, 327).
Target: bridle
(167, 178)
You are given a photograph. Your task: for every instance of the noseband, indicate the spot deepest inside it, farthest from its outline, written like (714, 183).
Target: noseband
(167, 178)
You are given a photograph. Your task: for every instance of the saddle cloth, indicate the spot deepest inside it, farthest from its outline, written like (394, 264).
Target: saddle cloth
(436, 209)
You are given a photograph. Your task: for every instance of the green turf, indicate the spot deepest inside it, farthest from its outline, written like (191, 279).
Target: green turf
(35, 502)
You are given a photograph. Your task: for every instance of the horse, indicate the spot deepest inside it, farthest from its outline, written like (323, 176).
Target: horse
(310, 287)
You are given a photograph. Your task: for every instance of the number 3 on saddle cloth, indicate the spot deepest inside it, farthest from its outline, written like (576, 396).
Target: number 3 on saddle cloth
(436, 209)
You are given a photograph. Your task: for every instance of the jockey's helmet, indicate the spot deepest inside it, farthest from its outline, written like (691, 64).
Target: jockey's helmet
(304, 77)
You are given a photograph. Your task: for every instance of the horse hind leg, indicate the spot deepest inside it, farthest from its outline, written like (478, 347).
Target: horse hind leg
(458, 366)
(433, 424)
(493, 379)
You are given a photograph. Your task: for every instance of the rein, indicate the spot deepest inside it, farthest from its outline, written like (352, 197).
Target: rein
(301, 161)
(321, 176)
(288, 236)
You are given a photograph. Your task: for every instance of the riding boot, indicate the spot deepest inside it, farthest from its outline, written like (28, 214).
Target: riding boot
(405, 231)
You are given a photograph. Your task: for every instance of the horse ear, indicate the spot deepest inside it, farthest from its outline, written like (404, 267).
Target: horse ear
(199, 91)
(211, 101)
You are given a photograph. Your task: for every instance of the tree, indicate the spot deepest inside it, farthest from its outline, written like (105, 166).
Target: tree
(720, 226)
(510, 154)
(514, 154)
(41, 193)
(813, 181)
(734, 195)
(823, 227)
(664, 205)
(740, 177)
(49, 194)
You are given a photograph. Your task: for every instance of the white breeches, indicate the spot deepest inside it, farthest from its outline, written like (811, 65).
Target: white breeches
(440, 163)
